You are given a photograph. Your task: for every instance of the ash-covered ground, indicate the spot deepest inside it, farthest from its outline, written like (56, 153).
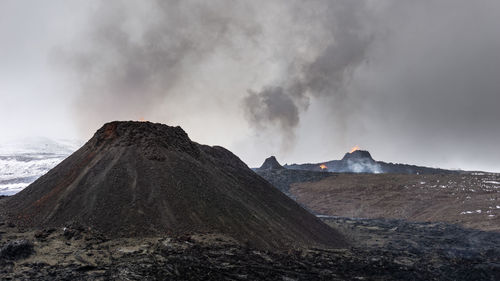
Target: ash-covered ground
(382, 250)
(469, 199)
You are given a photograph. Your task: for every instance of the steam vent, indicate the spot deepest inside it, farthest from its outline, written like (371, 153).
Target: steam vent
(145, 179)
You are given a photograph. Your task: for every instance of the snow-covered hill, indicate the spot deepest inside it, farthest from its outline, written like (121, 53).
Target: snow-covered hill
(22, 161)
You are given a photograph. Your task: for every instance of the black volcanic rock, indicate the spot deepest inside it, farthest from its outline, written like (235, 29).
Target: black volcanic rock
(271, 164)
(382, 250)
(144, 179)
(16, 249)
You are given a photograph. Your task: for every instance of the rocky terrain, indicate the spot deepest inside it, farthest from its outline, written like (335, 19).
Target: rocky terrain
(470, 199)
(383, 250)
(284, 178)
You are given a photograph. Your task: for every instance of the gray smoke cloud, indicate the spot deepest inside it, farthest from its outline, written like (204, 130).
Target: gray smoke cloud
(135, 53)
(272, 105)
(342, 40)
(411, 81)
(134, 56)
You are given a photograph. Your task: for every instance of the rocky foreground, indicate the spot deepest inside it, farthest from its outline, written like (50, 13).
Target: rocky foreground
(382, 250)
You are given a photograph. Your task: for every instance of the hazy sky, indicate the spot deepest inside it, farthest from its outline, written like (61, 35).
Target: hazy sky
(411, 81)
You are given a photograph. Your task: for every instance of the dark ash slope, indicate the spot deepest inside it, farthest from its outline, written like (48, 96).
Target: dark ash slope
(142, 179)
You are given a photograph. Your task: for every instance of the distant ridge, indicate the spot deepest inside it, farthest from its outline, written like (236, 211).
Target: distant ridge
(143, 179)
(361, 161)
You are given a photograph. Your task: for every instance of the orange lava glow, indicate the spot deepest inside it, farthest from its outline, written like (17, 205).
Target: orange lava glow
(354, 148)
(323, 166)
(142, 119)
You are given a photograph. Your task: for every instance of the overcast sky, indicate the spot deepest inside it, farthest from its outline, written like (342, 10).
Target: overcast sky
(411, 81)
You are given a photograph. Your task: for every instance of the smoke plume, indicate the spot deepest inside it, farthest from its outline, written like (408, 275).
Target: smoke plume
(339, 49)
(421, 75)
(135, 53)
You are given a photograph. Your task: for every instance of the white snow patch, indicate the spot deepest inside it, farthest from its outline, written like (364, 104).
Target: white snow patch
(11, 189)
(493, 182)
(12, 168)
(23, 161)
(471, 212)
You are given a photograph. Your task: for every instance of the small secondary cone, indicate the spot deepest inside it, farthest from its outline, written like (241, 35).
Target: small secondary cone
(271, 164)
(145, 179)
